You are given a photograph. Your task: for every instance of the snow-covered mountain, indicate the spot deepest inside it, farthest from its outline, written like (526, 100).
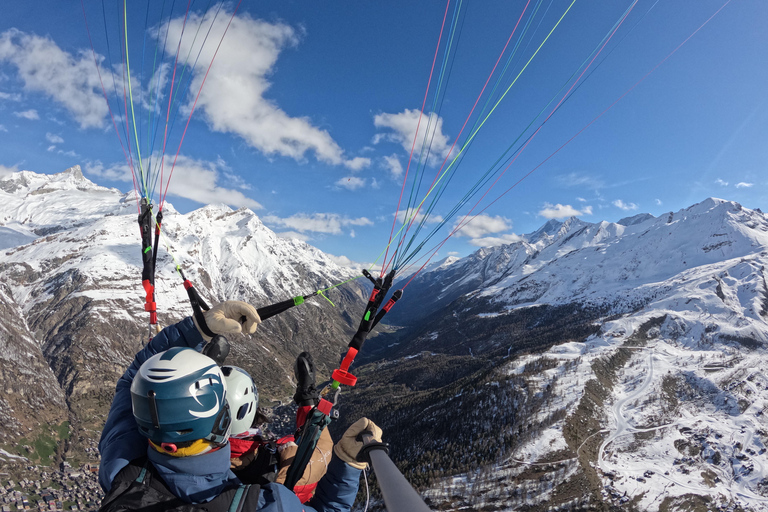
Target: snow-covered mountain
(625, 358)
(73, 304)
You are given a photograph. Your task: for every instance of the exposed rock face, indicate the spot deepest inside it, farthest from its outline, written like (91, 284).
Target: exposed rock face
(31, 395)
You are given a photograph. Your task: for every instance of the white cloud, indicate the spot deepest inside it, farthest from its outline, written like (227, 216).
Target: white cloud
(658, 202)
(625, 206)
(3, 128)
(721, 182)
(351, 182)
(395, 167)
(493, 241)
(51, 148)
(28, 114)
(744, 185)
(358, 163)
(192, 179)
(71, 81)
(330, 223)
(561, 211)
(482, 225)
(405, 216)
(233, 98)
(403, 126)
(5, 171)
(53, 138)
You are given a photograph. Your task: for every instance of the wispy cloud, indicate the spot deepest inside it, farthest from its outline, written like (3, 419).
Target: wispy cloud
(575, 179)
(28, 114)
(561, 211)
(351, 182)
(10, 96)
(721, 182)
(3, 128)
(233, 99)
(53, 138)
(658, 202)
(327, 223)
(744, 185)
(403, 129)
(71, 81)
(625, 206)
(197, 180)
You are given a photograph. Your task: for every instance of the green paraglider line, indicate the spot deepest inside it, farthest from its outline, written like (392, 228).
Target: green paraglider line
(471, 137)
(130, 94)
(489, 174)
(398, 258)
(601, 114)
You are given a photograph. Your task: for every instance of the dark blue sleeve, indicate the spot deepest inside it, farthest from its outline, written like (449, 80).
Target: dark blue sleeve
(337, 490)
(120, 440)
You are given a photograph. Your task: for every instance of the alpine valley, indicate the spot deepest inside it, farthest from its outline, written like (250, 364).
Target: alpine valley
(589, 366)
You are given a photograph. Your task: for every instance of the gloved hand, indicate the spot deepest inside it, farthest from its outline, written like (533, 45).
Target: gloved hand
(351, 442)
(230, 317)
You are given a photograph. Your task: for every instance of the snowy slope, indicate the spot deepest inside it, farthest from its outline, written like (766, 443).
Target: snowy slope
(665, 406)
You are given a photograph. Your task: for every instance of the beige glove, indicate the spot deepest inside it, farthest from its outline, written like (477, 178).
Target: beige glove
(230, 317)
(349, 446)
(317, 465)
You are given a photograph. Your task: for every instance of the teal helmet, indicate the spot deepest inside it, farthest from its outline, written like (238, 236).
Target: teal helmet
(242, 397)
(181, 395)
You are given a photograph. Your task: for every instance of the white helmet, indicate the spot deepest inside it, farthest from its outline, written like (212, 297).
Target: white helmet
(242, 396)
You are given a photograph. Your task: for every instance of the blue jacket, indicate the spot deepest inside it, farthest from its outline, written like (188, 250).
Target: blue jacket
(201, 478)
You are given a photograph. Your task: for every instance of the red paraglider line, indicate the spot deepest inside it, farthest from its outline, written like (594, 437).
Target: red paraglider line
(168, 113)
(439, 171)
(464, 221)
(385, 264)
(196, 98)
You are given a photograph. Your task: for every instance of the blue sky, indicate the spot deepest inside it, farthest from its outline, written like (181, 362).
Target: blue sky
(310, 109)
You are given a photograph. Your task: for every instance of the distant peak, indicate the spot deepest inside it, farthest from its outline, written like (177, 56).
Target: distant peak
(75, 172)
(708, 204)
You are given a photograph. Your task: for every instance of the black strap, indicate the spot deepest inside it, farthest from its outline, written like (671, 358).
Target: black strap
(380, 289)
(198, 305)
(139, 487)
(145, 223)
